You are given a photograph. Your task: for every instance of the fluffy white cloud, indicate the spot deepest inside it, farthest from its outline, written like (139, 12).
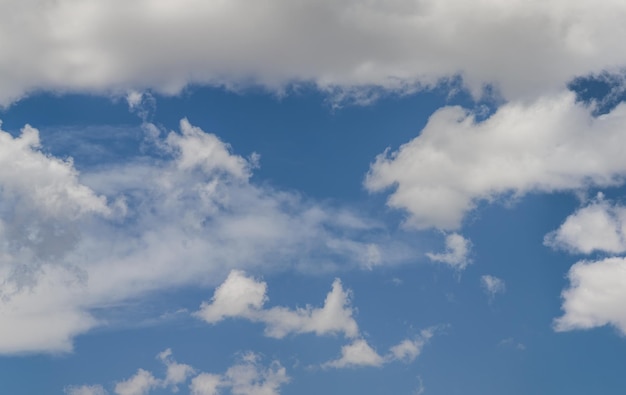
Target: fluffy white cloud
(250, 378)
(38, 181)
(409, 349)
(360, 354)
(112, 46)
(72, 242)
(596, 296)
(238, 296)
(177, 373)
(492, 285)
(243, 296)
(85, 390)
(356, 354)
(205, 384)
(247, 377)
(551, 144)
(456, 254)
(599, 226)
(140, 384)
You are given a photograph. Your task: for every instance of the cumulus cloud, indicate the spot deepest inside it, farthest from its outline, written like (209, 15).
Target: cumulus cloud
(243, 296)
(115, 46)
(409, 349)
(139, 384)
(356, 354)
(205, 384)
(547, 145)
(177, 373)
(492, 285)
(247, 377)
(73, 242)
(456, 254)
(360, 354)
(599, 226)
(595, 297)
(250, 378)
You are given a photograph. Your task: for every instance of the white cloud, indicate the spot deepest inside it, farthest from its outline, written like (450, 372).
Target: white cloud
(73, 242)
(244, 297)
(250, 378)
(551, 144)
(356, 354)
(596, 296)
(85, 390)
(492, 285)
(115, 46)
(177, 373)
(599, 226)
(409, 349)
(140, 384)
(38, 181)
(246, 377)
(456, 254)
(206, 384)
(237, 296)
(360, 354)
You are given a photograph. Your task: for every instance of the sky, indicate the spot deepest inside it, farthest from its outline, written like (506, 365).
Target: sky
(304, 197)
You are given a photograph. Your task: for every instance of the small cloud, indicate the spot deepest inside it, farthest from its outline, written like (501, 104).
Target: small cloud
(85, 390)
(409, 349)
(492, 285)
(356, 354)
(456, 253)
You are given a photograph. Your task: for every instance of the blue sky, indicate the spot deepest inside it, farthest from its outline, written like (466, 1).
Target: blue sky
(372, 197)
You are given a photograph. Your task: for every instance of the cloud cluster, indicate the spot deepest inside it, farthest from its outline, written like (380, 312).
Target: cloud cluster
(551, 144)
(247, 377)
(597, 288)
(242, 296)
(72, 242)
(346, 45)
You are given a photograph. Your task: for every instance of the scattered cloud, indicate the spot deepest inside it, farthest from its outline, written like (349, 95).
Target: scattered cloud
(206, 384)
(456, 254)
(73, 242)
(244, 297)
(246, 377)
(360, 354)
(177, 373)
(595, 297)
(599, 226)
(409, 349)
(139, 384)
(492, 285)
(356, 354)
(550, 144)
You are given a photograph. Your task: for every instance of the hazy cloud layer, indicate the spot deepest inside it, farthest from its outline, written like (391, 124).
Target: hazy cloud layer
(73, 242)
(346, 46)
